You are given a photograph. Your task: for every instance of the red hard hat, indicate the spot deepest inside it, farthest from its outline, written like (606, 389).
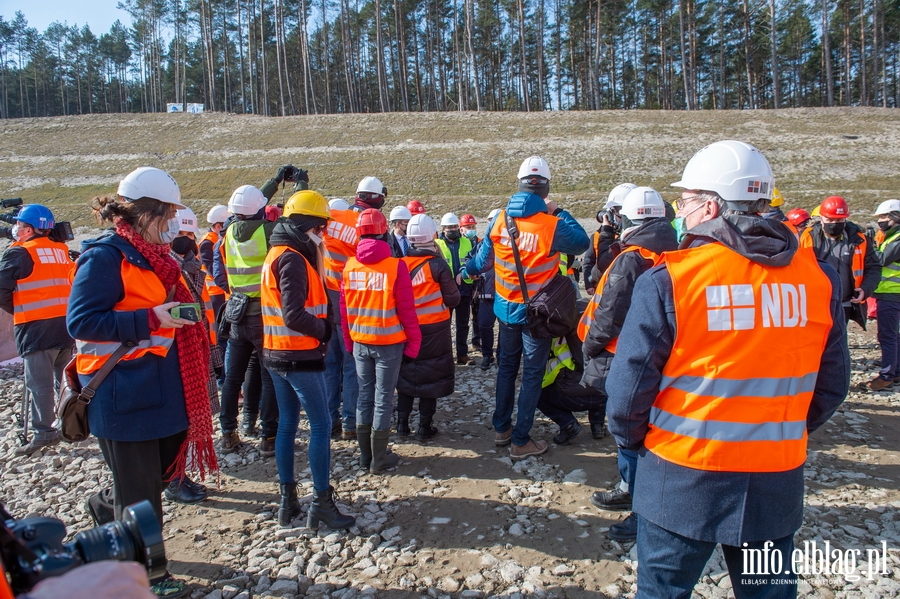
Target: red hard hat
(834, 207)
(797, 216)
(371, 222)
(415, 207)
(467, 220)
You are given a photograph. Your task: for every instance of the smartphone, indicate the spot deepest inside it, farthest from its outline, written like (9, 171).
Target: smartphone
(190, 312)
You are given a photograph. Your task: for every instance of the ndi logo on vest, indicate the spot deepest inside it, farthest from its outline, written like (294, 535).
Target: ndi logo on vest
(816, 561)
(733, 307)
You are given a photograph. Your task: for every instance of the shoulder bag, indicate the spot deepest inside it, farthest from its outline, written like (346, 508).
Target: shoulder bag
(72, 400)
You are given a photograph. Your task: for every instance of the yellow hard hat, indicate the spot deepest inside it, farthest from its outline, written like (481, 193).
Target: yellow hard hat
(308, 202)
(777, 200)
(815, 211)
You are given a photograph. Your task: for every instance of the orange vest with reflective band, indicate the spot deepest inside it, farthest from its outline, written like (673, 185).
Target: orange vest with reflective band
(45, 292)
(210, 315)
(430, 308)
(211, 286)
(340, 245)
(276, 334)
(371, 306)
(588, 317)
(717, 408)
(858, 262)
(535, 240)
(143, 289)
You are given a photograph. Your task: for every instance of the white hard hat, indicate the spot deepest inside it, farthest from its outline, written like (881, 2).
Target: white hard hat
(735, 170)
(643, 202)
(400, 213)
(421, 229)
(246, 201)
(371, 185)
(187, 221)
(449, 219)
(338, 204)
(217, 214)
(149, 182)
(535, 165)
(618, 194)
(887, 207)
(493, 213)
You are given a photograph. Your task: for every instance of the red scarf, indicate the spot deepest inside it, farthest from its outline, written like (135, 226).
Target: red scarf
(197, 451)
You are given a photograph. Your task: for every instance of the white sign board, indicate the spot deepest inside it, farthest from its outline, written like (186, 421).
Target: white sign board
(172, 107)
(195, 108)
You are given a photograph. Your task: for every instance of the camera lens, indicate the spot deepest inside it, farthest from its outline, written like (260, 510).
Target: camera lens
(136, 537)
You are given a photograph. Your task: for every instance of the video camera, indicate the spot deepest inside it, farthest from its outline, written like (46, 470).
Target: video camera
(32, 549)
(61, 232)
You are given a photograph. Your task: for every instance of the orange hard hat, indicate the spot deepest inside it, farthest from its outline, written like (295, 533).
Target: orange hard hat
(797, 216)
(467, 220)
(834, 207)
(371, 222)
(415, 207)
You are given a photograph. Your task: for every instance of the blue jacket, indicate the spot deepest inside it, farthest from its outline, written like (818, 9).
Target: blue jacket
(141, 399)
(568, 238)
(724, 507)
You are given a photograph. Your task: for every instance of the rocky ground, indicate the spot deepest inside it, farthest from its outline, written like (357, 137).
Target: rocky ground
(458, 518)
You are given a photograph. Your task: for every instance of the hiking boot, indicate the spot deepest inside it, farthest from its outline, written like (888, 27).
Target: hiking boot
(231, 441)
(520, 452)
(290, 504)
(36, 445)
(267, 446)
(616, 500)
(364, 440)
(248, 425)
(403, 424)
(877, 384)
(568, 433)
(180, 491)
(336, 429)
(382, 457)
(598, 431)
(348, 435)
(426, 430)
(486, 363)
(465, 360)
(626, 530)
(503, 439)
(324, 509)
(168, 587)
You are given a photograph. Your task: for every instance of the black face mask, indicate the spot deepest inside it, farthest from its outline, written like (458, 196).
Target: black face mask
(182, 245)
(884, 225)
(833, 229)
(452, 235)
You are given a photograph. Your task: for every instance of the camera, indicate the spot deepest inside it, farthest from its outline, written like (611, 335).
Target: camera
(291, 173)
(61, 231)
(32, 549)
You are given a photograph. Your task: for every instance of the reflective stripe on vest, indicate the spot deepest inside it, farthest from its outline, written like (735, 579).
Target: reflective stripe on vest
(244, 260)
(890, 273)
(45, 292)
(560, 357)
(211, 287)
(210, 315)
(535, 241)
(714, 411)
(339, 243)
(143, 290)
(858, 261)
(276, 334)
(430, 306)
(462, 250)
(371, 305)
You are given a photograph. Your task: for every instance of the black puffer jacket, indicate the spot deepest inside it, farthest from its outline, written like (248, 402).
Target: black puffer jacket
(432, 374)
(656, 235)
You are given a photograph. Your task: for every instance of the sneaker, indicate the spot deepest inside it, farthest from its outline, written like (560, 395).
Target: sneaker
(626, 530)
(267, 446)
(348, 435)
(181, 492)
(503, 439)
(568, 433)
(231, 441)
(598, 431)
(169, 587)
(877, 384)
(520, 452)
(616, 500)
(36, 445)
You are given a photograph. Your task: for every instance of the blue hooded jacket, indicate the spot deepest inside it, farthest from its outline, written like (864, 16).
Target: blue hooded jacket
(568, 238)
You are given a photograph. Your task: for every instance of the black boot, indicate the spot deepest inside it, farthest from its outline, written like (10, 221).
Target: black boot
(290, 505)
(403, 424)
(364, 439)
(382, 457)
(425, 430)
(248, 425)
(323, 509)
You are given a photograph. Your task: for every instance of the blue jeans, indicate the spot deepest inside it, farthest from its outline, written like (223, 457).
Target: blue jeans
(669, 565)
(627, 462)
(340, 378)
(486, 320)
(377, 368)
(889, 338)
(514, 342)
(293, 389)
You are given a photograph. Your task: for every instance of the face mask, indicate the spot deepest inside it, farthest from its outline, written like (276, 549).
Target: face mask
(678, 225)
(471, 233)
(183, 245)
(684, 218)
(833, 229)
(884, 225)
(452, 235)
(169, 235)
(15, 232)
(314, 238)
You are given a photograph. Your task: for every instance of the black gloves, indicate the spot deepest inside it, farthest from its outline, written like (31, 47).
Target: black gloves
(301, 175)
(329, 331)
(291, 174)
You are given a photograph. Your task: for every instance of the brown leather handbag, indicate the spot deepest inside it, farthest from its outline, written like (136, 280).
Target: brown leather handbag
(72, 400)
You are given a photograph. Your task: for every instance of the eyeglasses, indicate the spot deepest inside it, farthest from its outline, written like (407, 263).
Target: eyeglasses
(682, 202)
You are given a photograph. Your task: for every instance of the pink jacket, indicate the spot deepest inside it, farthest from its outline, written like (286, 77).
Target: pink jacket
(373, 251)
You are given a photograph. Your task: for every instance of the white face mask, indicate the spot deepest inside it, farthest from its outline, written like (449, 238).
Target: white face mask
(169, 235)
(315, 238)
(15, 232)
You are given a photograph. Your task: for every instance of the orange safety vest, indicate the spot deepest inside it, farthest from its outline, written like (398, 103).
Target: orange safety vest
(535, 241)
(276, 334)
(143, 290)
(716, 410)
(210, 315)
(340, 245)
(45, 292)
(588, 317)
(371, 306)
(430, 308)
(211, 286)
(858, 262)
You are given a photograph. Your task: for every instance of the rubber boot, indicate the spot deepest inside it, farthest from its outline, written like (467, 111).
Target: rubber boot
(425, 430)
(290, 505)
(382, 458)
(323, 509)
(403, 424)
(364, 439)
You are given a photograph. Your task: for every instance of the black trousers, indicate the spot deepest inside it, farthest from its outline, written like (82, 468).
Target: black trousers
(427, 405)
(461, 313)
(139, 469)
(246, 337)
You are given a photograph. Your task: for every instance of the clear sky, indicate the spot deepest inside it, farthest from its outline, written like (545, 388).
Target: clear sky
(99, 14)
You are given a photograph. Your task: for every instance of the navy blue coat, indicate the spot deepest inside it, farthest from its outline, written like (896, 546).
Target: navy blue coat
(141, 399)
